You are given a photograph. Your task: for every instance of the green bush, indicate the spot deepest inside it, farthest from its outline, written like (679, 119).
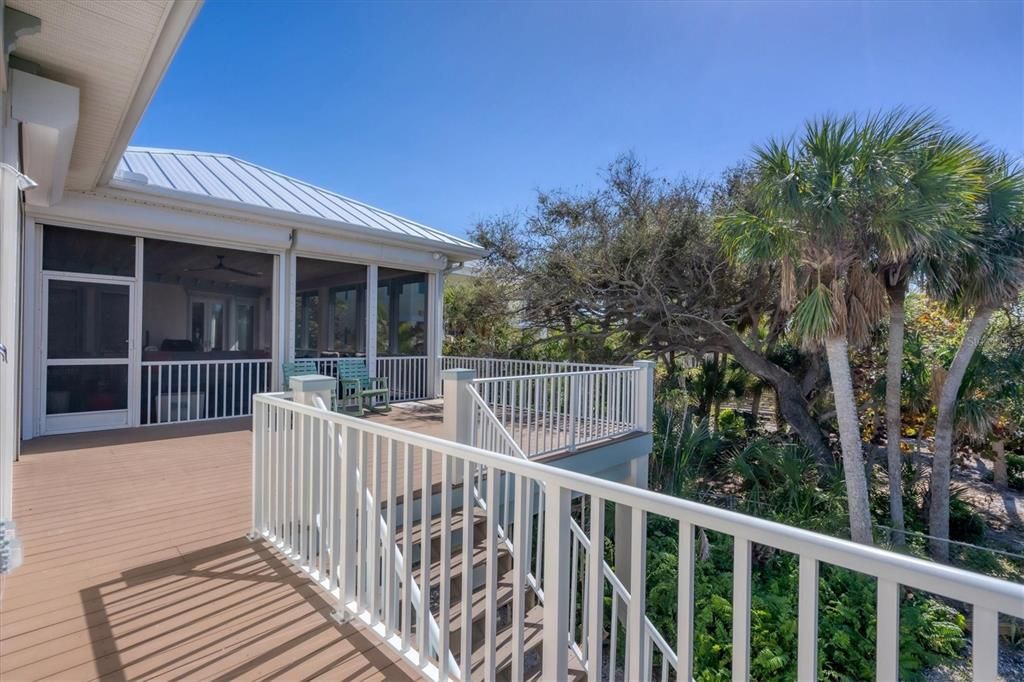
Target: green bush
(965, 524)
(731, 425)
(930, 631)
(1015, 471)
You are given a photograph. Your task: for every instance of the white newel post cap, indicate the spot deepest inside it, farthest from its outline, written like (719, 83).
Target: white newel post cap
(307, 386)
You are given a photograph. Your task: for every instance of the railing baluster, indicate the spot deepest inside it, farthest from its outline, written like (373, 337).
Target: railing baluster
(595, 593)
(491, 579)
(637, 594)
(426, 485)
(466, 646)
(445, 602)
(984, 644)
(684, 617)
(556, 585)
(407, 504)
(807, 622)
(520, 567)
(389, 551)
(887, 663)
(741, 609)
(373, 572)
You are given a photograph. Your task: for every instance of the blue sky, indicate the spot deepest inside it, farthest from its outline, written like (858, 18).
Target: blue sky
(449, 112)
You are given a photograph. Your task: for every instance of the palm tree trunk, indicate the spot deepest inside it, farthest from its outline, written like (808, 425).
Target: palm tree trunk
(893, 417)
(999, 473)
(849, 438)
(755, 402)
(938, 512)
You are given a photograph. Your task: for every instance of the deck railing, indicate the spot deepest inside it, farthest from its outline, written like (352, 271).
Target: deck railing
(490, 368)
(545, 413)
(314, 520)
(199, 390)
(488, 433)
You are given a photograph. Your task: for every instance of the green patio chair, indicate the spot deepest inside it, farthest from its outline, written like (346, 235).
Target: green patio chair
(359, 391)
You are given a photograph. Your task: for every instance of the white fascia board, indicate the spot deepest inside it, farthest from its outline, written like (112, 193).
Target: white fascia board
(190, 202)
(340, 248)
(178, 20)
(90, 211)
(48, 112)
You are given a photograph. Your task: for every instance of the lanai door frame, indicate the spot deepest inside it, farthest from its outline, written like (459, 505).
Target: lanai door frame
(34, 419)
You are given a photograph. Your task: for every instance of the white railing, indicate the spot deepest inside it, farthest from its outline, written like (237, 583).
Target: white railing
(488, 433)
(187, 390)
(546, 413)
(407, 376)
(490, 368)
(342, 553)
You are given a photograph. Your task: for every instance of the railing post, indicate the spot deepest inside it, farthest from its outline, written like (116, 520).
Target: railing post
(556, 583)
(458, 405)
(344, 557)
(574, 401)
(645, 395)
(307, 387)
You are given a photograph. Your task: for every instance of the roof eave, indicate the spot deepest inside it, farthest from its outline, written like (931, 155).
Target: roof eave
(231, 209)
(177, 23)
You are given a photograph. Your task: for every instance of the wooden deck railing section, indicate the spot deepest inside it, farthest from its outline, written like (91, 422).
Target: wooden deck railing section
(311, 472)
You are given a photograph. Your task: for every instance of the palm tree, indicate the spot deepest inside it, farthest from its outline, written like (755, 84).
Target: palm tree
(947, 180)
(830, 205)
(982, 279)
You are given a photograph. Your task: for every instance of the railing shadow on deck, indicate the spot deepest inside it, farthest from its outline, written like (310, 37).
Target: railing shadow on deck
(224, 612)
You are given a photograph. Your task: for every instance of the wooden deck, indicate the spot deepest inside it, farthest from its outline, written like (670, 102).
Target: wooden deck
(136, 566)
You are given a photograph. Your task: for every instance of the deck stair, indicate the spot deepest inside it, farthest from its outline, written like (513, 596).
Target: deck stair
(502, 602)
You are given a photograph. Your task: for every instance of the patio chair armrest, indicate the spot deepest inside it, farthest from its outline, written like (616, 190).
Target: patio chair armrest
(380, 382)
(350, 386)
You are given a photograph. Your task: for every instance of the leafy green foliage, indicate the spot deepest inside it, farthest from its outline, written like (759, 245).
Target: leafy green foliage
(930, 632)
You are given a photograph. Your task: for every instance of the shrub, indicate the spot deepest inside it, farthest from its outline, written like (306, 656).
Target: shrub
(731, 425)
(930, 631)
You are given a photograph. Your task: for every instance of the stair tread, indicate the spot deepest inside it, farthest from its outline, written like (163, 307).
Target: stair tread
(503, 595)
(435, 526)
(478, 558)
(533, 637)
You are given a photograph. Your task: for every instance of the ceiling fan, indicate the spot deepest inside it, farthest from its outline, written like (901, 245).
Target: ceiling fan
(220, 266)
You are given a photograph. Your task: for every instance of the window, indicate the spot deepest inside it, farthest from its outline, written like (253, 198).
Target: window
(307, 326)
(348, 320)
(208, 329)
(402, 316)
(67, 249)
(245, 326)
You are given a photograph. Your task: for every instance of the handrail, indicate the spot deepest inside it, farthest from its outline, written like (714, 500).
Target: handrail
(999, 595)
(988, 596)
(580, 535)
(546, 413)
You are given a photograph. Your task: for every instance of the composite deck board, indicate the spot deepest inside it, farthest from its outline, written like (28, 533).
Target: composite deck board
(136, 566)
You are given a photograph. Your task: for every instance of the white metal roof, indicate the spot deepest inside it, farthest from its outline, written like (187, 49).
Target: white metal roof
(220, 176)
